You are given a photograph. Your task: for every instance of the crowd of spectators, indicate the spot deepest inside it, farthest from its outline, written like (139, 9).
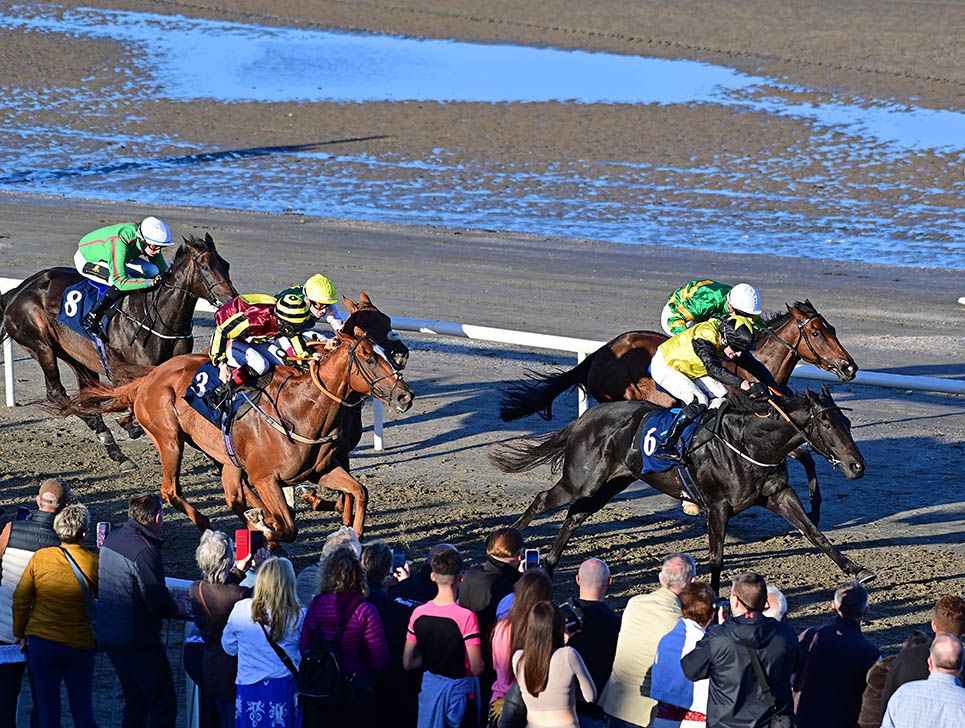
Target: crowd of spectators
(434, 645)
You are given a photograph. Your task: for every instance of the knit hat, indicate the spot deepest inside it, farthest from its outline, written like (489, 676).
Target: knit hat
(54, 492)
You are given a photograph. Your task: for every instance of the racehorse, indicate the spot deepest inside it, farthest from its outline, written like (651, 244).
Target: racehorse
(151, 326)
(293, 438)
(732, 469)
(620, 370)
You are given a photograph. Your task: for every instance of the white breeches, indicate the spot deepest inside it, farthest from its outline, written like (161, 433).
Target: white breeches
(258, 357)
(681, 386)
(137, 268)
(665, 315)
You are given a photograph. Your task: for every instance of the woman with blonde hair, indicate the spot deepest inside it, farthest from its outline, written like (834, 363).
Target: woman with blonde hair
(263, 632)
(545, 669)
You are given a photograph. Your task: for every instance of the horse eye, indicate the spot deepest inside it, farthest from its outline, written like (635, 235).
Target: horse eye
(370, 361)
(817, 334)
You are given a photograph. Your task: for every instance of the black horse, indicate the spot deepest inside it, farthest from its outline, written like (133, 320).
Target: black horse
(151, 326)
(739, 466)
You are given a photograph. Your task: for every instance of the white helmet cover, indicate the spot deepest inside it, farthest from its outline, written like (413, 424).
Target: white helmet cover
(155, 232)
(745, 299)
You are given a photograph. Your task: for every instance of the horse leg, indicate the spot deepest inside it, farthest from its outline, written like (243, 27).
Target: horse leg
(546, 501)
(171, 450)
(85, 379)
(579, 512)
(270, 512)
(718, 515)
(786, 503)
(234, 491)
(338, 479)
(814, 490)
(130, 426)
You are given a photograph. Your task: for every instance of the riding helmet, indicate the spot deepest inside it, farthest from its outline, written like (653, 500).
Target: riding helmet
(292, 309)
(319, 289)
(737, 332)
(745, 299)
(155, 232)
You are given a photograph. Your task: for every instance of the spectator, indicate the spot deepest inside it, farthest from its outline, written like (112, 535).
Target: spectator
(727, 653)
(872, 709)
(443, 639)
(938, 701)
(646, 619)
(596, 640)
(401, 686)
(212, 599)
(682, 703)
(132, 604)
(310, 578)
(18, 542)
(341, 612)
(912, 664)
(547, 671)
(776, 604)
(53, 610)
(263, 632)
(533, 587)
(836, 660)
(485, 585)
(376, 562)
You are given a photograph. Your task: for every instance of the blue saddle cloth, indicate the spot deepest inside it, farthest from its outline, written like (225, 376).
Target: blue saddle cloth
(77, 302)
(203, 381)
(653, 432)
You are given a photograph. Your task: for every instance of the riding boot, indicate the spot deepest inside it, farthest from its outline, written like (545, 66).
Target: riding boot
(92, 321)
(689, 413)
(225, 392)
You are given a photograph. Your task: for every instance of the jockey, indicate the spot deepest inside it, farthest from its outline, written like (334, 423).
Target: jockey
(253, 333)
(690, 366)
(126, 256)
(320, 294)
(701, 300)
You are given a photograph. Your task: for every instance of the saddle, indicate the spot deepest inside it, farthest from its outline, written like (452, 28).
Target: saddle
(227, 410)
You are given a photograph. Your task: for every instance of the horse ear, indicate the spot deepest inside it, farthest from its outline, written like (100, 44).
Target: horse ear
(826, 392)
(208, 239)
(364, 299)
(351, 305)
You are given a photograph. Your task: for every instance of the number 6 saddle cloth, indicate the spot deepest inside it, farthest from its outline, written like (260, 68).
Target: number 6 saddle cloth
(653, 431)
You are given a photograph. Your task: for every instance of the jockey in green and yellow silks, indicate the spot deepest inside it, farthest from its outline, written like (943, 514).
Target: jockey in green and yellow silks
(702, 300)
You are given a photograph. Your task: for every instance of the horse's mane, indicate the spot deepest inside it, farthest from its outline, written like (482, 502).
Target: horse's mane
(776, 319)
(738, 402)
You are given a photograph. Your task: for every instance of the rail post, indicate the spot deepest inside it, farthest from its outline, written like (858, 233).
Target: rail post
(8, 380)
(378, 421)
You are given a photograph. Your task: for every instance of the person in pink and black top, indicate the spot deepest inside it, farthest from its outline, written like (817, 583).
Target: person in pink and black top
(443, 639)
(363, 648)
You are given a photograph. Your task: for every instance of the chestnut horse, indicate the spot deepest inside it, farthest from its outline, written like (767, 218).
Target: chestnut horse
(739, 466)
(151, 326)
(293, 437)
(619, 370)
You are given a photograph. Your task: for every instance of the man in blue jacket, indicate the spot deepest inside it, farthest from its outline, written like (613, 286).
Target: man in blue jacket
(735, 697)
(132, 603)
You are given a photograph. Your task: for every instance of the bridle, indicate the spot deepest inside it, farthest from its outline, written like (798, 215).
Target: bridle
(812, 419)
(195, 257)
(353, 361)
(818, 360)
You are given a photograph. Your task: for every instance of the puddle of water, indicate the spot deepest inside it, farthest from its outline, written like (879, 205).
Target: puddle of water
(235, 62)
(705, 207)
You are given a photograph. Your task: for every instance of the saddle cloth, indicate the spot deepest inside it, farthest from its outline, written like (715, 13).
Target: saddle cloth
(652, 433)
(77, 302)
(196, 395)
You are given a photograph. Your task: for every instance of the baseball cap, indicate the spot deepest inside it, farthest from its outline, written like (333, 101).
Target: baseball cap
(54, 492)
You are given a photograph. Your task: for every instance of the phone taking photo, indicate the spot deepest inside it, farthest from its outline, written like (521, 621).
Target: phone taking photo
(530, 559)
(247, 542)
(398, 559)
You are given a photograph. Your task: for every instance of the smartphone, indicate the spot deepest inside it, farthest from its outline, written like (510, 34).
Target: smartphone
(530, 559)
(398, 559)
(247, 542)
(23, 513)
(722, 604)
(103, 528)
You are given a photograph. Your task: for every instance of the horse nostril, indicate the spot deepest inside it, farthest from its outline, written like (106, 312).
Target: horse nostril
(857, 467)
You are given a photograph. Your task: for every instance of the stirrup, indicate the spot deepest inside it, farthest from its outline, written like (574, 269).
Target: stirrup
(91, 325)
(666, 454)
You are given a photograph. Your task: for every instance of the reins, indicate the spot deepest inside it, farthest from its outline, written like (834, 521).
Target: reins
(818, 360)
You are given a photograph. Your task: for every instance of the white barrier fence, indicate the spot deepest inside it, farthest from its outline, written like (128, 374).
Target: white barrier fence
(580, 347)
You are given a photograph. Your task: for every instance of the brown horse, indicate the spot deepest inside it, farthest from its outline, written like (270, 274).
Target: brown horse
(620, 370)
(291, 438)
(150, 327)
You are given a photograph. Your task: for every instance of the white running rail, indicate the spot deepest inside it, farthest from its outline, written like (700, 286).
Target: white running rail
(581, 347)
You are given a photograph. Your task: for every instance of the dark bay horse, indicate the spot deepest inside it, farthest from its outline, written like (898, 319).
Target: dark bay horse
(600, 456)
(293, 437)
(151, 326)
(619, 370)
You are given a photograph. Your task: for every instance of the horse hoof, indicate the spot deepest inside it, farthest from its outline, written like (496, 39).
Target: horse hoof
(866, 575)
(255, 515)
(135, 432)
(128, 466)
(305, 489)
(104, 437)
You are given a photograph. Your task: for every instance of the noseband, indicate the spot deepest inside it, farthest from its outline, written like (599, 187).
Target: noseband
(370, 379)
(818, 360)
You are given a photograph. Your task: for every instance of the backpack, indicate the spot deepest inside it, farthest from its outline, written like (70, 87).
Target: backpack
(320, 677)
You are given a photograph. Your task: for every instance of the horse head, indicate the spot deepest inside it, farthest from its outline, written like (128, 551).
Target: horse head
(816, 341)
(366, 320)
(199, 268)
(830, 433)
(371, 373)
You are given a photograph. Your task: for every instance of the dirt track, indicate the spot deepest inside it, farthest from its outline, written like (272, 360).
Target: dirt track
(904, 519)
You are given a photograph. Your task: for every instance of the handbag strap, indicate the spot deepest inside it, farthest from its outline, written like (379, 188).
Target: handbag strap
(761, 678)
(203, 602)
(82, 580)
(282, 655)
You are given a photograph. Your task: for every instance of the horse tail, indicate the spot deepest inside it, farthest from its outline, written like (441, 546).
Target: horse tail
(536, 396)
(532, 452)
(96, 400)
